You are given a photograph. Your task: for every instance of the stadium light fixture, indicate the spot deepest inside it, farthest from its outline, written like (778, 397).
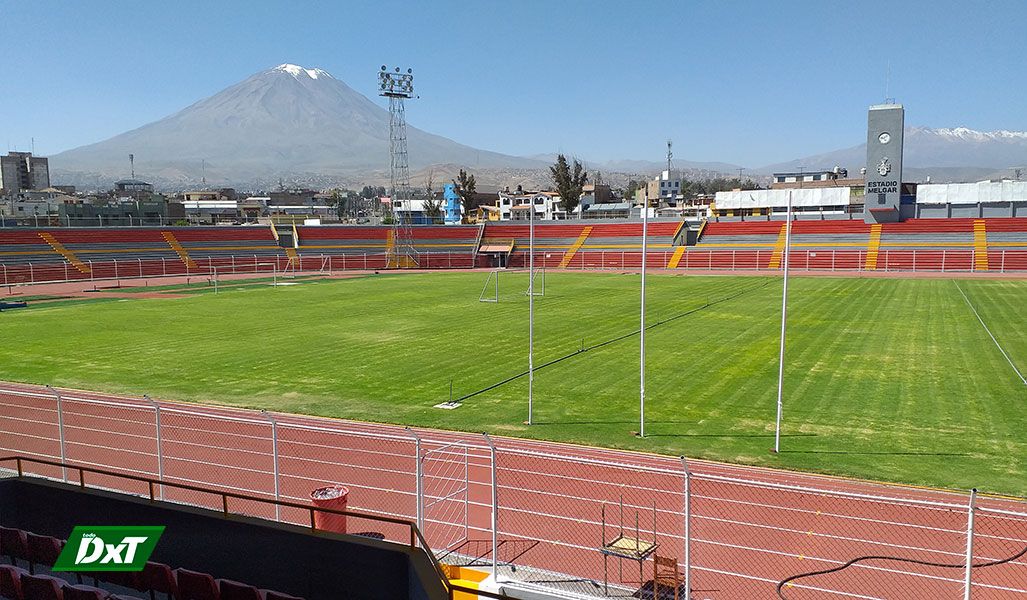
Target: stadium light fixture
(784, 323)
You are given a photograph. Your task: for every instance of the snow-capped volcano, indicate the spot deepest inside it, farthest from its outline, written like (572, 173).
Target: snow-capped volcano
(284, 120)
(965, 133)
(298, 71)
(933, 148)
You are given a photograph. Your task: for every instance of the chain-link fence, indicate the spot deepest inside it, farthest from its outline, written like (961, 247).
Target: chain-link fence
(576, 521)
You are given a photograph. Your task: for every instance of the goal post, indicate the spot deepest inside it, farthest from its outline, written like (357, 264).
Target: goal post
(539, 290)
(490, 291)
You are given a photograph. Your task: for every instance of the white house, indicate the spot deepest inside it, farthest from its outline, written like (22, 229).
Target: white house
(515, 206)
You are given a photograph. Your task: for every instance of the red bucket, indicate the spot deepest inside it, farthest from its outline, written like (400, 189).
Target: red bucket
(332, 497)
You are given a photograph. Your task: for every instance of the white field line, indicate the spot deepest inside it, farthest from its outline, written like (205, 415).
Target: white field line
(990, 334)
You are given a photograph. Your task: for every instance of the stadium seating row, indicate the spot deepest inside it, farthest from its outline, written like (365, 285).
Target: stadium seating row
(17, 583)
(57, 254)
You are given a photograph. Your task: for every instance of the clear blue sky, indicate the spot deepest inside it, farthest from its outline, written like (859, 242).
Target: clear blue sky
(747, 83)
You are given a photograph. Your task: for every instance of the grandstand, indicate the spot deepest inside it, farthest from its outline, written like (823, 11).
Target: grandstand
(955, 244)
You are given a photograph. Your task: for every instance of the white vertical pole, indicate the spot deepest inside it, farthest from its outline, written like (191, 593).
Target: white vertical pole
(274, 455)
(641, 370)
(688, 528)
(160, 450)
(967, 580)
(531, 309)
(495, 503)
(418, 482)
(784, 322)
(60, 432)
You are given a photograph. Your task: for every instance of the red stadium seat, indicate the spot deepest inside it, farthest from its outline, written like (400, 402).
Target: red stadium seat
(193, 585)
(41, 587)
(234, 590)
(84, 592)
(42, 550)
(10, 581)
(13, 544)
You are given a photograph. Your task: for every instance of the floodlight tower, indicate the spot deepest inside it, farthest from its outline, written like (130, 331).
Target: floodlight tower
(397, 87)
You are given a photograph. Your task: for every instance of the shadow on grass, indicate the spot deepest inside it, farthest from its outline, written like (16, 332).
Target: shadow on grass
(858, 453)
(728, 435)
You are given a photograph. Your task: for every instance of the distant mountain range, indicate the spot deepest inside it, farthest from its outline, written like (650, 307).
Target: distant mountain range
(306, 127)
(944, 154)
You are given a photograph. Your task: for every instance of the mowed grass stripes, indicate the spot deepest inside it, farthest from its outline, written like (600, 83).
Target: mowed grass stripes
(885, 378)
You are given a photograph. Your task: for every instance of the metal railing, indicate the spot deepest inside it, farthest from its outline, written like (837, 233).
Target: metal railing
(415, 534)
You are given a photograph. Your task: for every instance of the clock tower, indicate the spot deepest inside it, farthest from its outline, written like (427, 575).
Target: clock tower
(884, 163)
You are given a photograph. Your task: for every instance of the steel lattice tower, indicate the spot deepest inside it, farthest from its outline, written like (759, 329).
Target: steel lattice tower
(398, 87)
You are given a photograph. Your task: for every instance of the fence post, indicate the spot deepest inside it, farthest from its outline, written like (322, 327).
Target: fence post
(91, 272)
(419, 482)
(967, 579)
(914, 260)
(365, 261)
(274, 454)
(160, 450)
(688, 528)
(60, 431)
(32, 274)
(943, 253)
(495, 505)
(65, 270)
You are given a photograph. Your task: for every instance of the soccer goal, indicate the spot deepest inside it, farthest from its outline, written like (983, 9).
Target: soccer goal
(490, 291)
(536, 286)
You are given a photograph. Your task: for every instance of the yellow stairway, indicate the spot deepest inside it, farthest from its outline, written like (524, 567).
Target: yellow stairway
(873, 247)
(980, 245)
(67, 254)
(676, 257)
(464, 577)
(567, 256)
(179, 250)
(779, 247)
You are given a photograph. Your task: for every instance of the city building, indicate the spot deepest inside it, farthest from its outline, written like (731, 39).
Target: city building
(20, 172)
(121, 212)
(836, 177)
(451, 205)
(516, 206)
(133, 188)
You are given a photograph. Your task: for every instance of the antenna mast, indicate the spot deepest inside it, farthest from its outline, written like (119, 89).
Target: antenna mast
(397, 87)
(132, 165)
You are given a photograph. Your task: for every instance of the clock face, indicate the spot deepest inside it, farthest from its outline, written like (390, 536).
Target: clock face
(884, 138)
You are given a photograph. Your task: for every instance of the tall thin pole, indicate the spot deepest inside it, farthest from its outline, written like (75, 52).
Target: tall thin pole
(274, 457)
(531, 307)
(60, 433)
(641, 370)
(494, 519)
(784, 322)
(968, 571)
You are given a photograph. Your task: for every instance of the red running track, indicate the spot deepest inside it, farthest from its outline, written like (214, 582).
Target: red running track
(750, 527)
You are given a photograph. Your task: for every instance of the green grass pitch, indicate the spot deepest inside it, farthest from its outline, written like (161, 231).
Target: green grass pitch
(886, 379)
